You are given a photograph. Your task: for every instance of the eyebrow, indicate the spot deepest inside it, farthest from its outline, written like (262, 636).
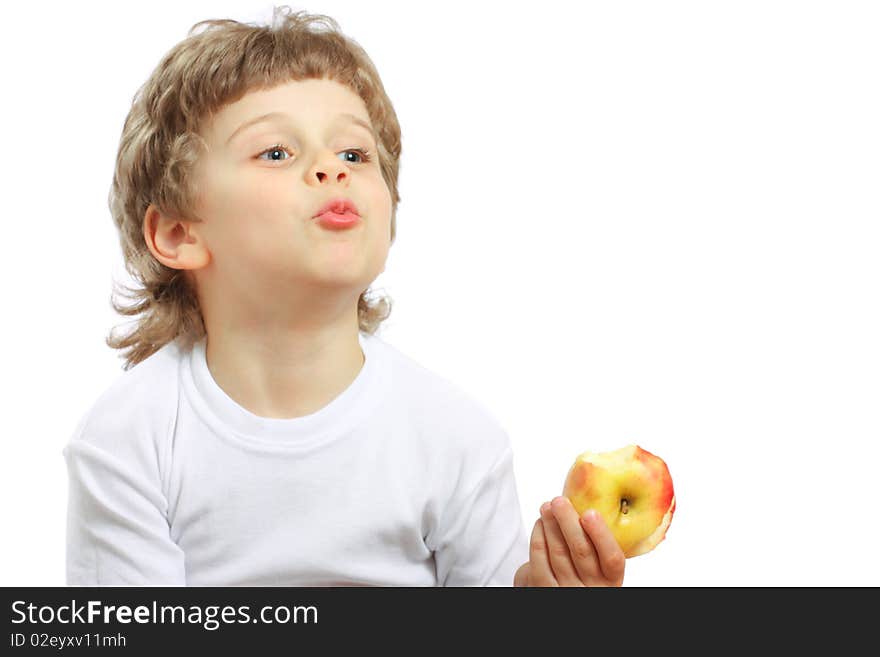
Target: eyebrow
(280, 116)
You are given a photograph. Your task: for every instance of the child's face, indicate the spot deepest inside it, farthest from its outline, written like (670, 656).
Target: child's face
(258, 201)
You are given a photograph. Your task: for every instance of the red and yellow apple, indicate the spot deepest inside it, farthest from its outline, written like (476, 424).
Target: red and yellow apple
(631, 489)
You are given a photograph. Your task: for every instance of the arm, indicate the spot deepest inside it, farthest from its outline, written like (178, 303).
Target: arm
(117, 529)
(481, 538)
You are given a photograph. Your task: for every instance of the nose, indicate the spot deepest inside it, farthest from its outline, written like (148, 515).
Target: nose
(328, 167)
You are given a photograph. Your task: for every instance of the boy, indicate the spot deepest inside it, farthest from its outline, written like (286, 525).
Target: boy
(266, 435)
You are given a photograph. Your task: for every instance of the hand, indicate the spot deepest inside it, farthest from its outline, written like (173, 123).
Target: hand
(566, 550)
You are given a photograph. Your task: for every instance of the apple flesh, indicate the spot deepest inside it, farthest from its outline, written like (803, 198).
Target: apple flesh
(632, 490)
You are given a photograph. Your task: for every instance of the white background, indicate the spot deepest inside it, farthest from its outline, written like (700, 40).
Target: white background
(630, 222)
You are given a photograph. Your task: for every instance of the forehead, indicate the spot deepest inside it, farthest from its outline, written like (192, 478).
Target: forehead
(309, 99)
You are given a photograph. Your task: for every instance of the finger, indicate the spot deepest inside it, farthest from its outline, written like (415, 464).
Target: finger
(611, 557)
(521, 577)
(557, 547)
(540, 573)
(583, 553)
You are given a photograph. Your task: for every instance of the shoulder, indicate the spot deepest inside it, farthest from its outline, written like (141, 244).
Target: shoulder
(133, 418)
(443, 408)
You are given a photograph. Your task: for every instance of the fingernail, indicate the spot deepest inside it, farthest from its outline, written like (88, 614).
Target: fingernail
(545, 507)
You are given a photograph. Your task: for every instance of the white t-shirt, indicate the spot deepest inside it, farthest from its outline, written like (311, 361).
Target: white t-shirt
(403, 479)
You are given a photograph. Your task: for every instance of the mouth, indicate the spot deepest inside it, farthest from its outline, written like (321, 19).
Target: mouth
(338, 213)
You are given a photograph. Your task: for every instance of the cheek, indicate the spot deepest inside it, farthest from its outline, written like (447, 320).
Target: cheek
(381, 227)
(380, 204)
(261, 200)
(251, 209)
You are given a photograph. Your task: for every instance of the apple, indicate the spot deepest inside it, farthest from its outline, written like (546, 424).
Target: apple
(632, 490)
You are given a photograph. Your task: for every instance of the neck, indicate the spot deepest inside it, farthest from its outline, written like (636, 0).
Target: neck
(280, 371)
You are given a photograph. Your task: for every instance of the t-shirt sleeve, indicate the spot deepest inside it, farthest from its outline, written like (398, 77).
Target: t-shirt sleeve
(481, 539)
(117, 527)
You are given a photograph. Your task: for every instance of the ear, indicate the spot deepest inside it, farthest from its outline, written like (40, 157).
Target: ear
(173, 242)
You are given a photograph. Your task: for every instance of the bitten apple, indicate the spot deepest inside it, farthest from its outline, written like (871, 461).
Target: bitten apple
(632, 490)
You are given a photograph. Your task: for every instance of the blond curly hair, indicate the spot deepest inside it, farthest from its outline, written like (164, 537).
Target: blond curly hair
(161, 143)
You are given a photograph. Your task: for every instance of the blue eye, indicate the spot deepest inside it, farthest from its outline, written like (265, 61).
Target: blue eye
(364, 154)
(277, 148)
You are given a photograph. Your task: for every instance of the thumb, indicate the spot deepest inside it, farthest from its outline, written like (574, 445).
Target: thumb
(521, 578)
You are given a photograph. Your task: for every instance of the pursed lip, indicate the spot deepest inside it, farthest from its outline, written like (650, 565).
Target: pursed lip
(339, 205)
